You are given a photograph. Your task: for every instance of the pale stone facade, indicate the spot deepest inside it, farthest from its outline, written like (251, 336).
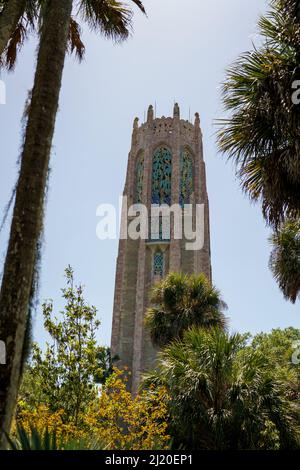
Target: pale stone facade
(134, 270)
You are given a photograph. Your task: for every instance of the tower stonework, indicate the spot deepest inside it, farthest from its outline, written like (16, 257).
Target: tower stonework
(165, 167)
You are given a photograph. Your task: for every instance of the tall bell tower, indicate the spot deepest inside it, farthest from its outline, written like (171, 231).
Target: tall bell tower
(165, 167)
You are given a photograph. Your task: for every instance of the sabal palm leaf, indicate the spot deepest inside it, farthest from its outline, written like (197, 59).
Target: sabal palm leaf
(10, 13)
(222, 395)
(110, 17)
(262, 133)
(22, 24)
(179, 302)
(285, 259)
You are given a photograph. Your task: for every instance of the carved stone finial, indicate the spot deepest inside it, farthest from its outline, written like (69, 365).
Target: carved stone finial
(176, 112)
(136, 123)
(150, 114)
(197, 120)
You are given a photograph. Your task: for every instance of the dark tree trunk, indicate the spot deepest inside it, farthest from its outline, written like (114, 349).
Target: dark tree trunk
(28, 210)
(9, 19)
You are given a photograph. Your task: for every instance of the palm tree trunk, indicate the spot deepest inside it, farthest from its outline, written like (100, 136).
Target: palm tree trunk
(9, 19)
(28, 210)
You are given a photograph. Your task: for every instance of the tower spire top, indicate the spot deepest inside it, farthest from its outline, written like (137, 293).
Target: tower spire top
(150, 114)
(176, 111)
(136, 123)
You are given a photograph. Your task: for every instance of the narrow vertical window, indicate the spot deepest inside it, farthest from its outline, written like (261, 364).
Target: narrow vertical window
(186, 177)
(158, 264)
(139, 178)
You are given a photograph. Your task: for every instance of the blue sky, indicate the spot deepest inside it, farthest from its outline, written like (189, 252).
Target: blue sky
(179, 52)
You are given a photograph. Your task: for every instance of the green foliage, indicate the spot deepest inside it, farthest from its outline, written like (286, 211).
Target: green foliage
(179, 302)
(285, 258)
(106, 363)
(224, 395)
(215, 390)
(48, 440)
(115, 419)
(63, 376)
(279, 348)
(262, 134)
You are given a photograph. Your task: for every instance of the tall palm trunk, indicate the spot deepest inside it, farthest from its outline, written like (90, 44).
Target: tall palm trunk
(28, 210)
(9, 19)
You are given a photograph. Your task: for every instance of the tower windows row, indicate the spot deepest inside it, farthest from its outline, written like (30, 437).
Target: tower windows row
(161, 184)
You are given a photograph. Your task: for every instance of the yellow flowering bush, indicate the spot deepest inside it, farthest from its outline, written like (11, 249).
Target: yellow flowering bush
(126, 422)
(42, 418)
(115, 419)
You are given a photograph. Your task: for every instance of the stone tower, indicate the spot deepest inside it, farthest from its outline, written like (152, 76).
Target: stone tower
(165, 167)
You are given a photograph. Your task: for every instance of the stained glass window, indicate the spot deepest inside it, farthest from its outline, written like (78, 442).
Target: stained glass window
(161, 176)
(158, 264)
(139, 178)
(186, 177)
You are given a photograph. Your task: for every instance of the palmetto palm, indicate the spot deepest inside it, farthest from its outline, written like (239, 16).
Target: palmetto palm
(112, 19)
(262, 133)
(285, 258)
(179, 302)
(19, 18)
(221, 396)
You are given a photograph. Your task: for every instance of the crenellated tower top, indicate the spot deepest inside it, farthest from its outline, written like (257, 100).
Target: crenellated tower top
(164, 127)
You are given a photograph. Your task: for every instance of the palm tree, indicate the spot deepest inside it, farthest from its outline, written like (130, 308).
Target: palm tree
(262, 133)
(30, 14)
(179, 302)
(112, 19)
(285, 259)
(222, 396)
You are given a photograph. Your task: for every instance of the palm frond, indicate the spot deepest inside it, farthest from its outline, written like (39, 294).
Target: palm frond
(112, 18)
(223, 395)
(74, 40)
(179, 302)
(140, 5)
(261, 134)
(285, 259)
(16, 42)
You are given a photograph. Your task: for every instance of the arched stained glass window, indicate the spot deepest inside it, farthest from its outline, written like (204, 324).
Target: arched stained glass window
(161, 176)
(186, 177)
(158, 264)
(139, 178)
